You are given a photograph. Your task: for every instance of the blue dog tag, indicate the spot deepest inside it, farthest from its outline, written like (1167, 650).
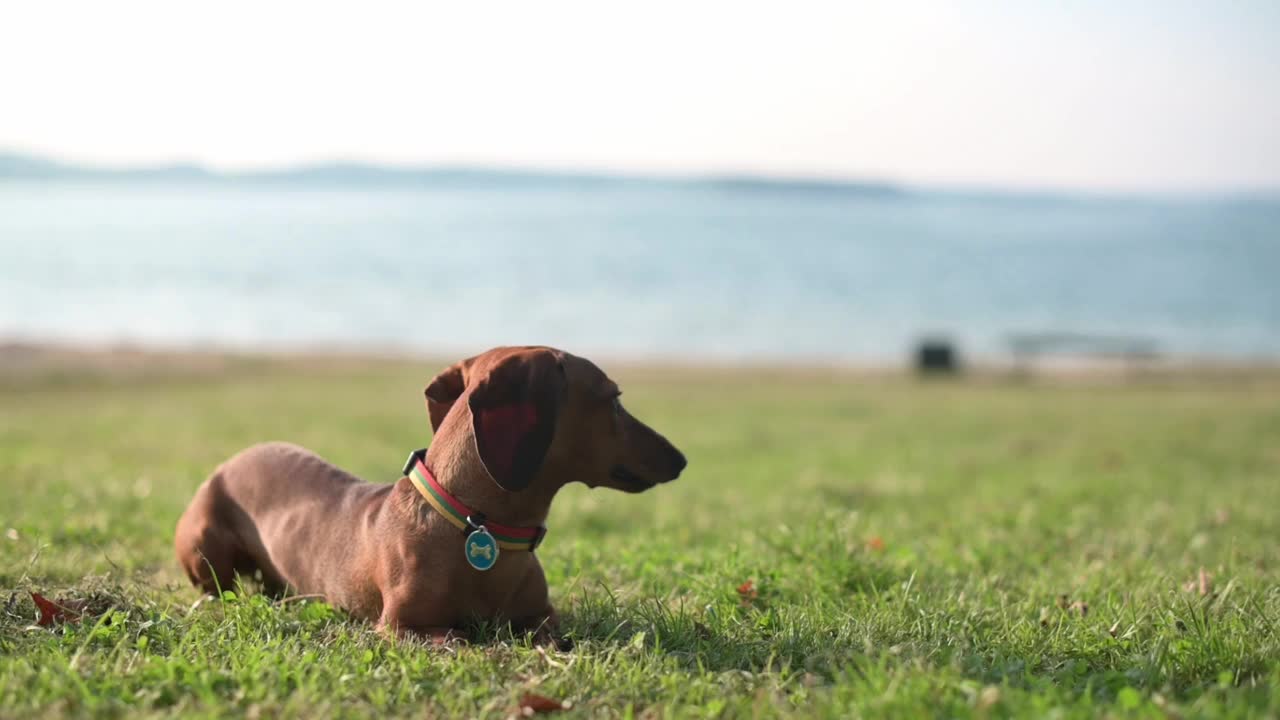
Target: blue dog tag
(480, 549)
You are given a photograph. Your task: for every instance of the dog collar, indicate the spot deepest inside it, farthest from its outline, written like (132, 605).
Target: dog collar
(469, 521)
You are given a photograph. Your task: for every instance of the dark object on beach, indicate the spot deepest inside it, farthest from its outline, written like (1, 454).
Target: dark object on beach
(937, 357)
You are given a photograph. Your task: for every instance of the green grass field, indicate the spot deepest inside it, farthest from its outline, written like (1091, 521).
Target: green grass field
(982, 547)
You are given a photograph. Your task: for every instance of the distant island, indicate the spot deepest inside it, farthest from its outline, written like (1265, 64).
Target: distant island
(17, 166)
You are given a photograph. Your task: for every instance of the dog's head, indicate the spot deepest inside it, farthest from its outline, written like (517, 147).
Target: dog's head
(542, 416)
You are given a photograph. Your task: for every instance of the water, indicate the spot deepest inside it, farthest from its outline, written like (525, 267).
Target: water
(671, 270)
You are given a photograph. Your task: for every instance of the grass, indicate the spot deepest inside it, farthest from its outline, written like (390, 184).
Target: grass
(973, 548)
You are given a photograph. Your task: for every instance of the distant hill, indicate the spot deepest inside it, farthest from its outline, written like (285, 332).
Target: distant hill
(28, 167)
(15, 166)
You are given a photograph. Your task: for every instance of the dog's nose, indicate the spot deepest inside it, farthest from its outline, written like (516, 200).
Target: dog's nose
(678, 462)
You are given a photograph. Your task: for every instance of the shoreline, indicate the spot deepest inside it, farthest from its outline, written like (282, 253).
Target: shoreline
(23, 358)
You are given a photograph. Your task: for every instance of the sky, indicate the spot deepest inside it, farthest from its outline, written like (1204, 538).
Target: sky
(1128, 95)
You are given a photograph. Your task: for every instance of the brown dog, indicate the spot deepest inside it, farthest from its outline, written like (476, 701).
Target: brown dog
(451, 541)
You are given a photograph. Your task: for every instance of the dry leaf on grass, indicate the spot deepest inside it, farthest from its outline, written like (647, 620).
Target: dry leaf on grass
(747, 592)
(52, 613)
(875, 543)
(535, 704)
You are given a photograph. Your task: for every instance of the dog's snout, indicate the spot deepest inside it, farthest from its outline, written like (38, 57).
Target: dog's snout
(653, 454)
(678, 462)
(670, 461)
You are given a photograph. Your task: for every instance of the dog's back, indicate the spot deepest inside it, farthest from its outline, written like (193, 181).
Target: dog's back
(272, 495)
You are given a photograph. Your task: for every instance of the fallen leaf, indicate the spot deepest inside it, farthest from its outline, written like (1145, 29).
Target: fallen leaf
(747, 592)
(1115, 628)
(51, 612)
(875, 543)
(1081, 607)
(535, 704)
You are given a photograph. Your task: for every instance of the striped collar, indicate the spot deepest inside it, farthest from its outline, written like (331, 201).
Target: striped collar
(464, 518)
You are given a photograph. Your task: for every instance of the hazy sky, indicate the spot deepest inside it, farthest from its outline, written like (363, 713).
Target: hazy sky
(1075, 94)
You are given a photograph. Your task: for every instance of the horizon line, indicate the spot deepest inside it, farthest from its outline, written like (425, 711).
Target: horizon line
(17, 164)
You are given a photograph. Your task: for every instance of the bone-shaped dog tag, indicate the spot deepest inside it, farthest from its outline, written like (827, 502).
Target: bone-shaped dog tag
(480, 549)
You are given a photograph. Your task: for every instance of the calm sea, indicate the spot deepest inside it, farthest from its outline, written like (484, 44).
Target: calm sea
(670, 270)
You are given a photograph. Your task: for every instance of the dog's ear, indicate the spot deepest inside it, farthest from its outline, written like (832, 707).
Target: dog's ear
(514, 409)
(444, 390)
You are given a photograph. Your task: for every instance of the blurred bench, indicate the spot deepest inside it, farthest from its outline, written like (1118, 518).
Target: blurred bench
(1132, 351)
